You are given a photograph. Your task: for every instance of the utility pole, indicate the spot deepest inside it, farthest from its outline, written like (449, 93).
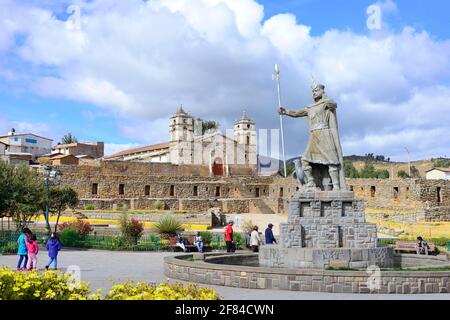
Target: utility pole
(409, 163)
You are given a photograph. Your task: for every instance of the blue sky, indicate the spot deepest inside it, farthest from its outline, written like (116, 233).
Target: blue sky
(51, 88)
(432, 16)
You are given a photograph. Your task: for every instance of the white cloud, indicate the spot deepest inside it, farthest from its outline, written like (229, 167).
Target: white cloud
(140, 60)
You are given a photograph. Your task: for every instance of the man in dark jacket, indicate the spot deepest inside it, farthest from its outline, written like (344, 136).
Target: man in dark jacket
(270, 239)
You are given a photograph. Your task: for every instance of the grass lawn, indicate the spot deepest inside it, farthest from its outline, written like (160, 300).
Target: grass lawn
(423, 229)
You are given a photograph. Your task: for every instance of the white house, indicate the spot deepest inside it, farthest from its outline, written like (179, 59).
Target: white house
(438, 174)
(26, 143)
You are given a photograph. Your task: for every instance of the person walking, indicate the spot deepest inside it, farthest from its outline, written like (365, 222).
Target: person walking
(229, 237)
(255, 239)
(53, 247)
(198, 242)
(33, 249)
(22, 250)
(268, 235)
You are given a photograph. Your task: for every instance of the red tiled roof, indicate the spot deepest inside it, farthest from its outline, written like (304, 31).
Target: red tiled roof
(440, 169)
(164, 145)
(60, 156)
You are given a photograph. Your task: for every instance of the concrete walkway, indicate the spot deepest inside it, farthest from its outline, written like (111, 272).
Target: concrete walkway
(106, 268)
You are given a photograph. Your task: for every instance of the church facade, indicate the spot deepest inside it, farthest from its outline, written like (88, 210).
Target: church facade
(189, 144)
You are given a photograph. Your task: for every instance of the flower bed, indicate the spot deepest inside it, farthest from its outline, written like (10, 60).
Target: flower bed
(53, 285)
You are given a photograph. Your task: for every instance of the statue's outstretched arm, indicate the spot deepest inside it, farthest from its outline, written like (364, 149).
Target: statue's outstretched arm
(293, 114)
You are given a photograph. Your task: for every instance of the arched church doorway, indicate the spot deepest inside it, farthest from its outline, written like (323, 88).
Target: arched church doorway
(218, 167)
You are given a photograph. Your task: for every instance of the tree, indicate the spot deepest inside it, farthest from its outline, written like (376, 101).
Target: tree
(441, 163)
(368, 171)
(415, 172)
(208, 125)
(22, 193)
(402, 174)
(59, 199)
(69, 138)
(383, 174)
(350, 170)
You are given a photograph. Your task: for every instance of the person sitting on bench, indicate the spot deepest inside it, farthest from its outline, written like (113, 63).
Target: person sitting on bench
(422, 246)
(180, 242)
(198, 241)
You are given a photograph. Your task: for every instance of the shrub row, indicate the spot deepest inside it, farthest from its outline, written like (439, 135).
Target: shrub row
(53, 285)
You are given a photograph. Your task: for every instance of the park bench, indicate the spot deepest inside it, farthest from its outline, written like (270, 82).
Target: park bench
(188, 243)
(410, 247)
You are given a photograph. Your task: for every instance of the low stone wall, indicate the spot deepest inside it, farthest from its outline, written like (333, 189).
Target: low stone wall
(400, 217)
(250, 205)
(414, 260)
(401, 282)
(438, 214)
(276, 256)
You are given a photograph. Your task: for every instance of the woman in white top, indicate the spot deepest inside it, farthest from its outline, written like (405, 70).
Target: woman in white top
(255, 239)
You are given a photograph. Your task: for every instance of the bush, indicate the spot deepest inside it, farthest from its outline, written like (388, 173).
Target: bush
(385, 242)
(157, 205)
(47, 285)
(9, 247)
(81, 227)
(132, 230)
(442, 242)
(70, 237)
(163, 291)
(89, 207)
(51, 285)
(239, 240)
(168, 226)
(207, 237)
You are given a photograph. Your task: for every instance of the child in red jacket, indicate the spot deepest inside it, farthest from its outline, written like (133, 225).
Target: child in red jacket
(33, 249)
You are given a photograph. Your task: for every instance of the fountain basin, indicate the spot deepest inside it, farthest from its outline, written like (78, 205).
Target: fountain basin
(243, 271)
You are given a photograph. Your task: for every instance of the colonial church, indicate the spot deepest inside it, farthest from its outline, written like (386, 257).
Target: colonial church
(189, 144)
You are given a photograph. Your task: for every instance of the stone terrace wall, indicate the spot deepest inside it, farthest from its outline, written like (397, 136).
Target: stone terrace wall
(381, 193)
(173, 186)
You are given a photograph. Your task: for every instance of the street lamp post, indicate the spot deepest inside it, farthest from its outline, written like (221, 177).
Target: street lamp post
(52, 177)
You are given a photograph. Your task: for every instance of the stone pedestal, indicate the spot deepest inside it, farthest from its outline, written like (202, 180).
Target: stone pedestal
(326, 229)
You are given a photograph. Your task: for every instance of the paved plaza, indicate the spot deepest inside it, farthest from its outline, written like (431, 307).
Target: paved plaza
(106, 268)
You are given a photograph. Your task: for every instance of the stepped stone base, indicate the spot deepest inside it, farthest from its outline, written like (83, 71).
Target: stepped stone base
(276, 256)
(326, 229)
